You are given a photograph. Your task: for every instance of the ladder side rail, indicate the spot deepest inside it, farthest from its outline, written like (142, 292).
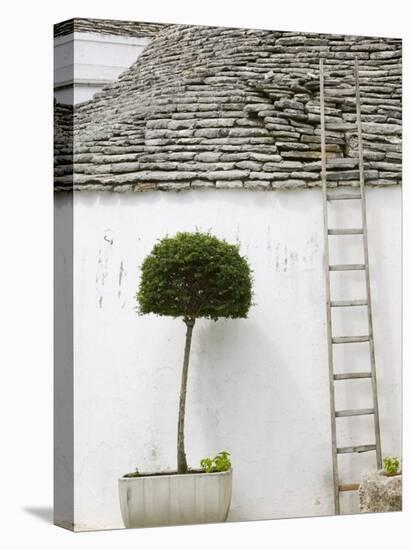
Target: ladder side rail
(367, 275)
(327, 293)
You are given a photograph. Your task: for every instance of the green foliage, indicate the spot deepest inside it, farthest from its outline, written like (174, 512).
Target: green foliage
(220, 463)
(136, 473)
(207, 465)
(195, 275)
(391, 464)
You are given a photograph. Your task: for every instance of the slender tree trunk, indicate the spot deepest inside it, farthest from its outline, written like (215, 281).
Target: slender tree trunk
(181, 455)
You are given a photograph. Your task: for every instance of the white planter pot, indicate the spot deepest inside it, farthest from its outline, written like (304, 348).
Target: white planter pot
(175, 499)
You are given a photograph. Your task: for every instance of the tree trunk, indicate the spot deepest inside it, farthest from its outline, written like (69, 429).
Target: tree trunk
(181, 455)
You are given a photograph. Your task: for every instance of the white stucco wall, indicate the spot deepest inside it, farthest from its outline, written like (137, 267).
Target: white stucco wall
(84, 62)
(257, 387)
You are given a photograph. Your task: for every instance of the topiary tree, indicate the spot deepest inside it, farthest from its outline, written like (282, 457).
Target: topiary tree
(193, 275)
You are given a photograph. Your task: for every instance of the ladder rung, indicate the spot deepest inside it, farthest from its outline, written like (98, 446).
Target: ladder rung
(347, 267)
(356, 449)
(343, 196)
(347, 303)
(349, 487)
(354, 412)
(341, 126)
(349, 339)
(345, 231)
(334, 92)
(352, 375)
(347, 162)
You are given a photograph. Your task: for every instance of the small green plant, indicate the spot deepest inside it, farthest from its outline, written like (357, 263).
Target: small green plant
(136, 473)
(391, 464)
(220, 463)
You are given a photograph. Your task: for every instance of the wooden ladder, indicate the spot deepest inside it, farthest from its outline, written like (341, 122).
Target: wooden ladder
(366, 302)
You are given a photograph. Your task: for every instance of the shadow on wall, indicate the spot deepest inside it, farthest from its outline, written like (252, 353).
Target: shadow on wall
(264, 435)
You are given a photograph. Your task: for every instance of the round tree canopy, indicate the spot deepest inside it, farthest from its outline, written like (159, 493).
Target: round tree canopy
(195, 275)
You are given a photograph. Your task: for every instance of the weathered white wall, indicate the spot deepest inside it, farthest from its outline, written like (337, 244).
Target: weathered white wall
(85, 62)
(257, 387)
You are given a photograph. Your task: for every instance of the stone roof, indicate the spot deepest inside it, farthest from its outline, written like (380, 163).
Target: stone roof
(63, 135)
(107, 26)
(207, 107)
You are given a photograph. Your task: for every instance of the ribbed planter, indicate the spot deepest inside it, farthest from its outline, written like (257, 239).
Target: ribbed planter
(175, 499)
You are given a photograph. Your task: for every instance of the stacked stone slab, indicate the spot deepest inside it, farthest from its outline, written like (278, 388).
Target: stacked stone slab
(107, 26)
(208, 107)
(63, 138)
